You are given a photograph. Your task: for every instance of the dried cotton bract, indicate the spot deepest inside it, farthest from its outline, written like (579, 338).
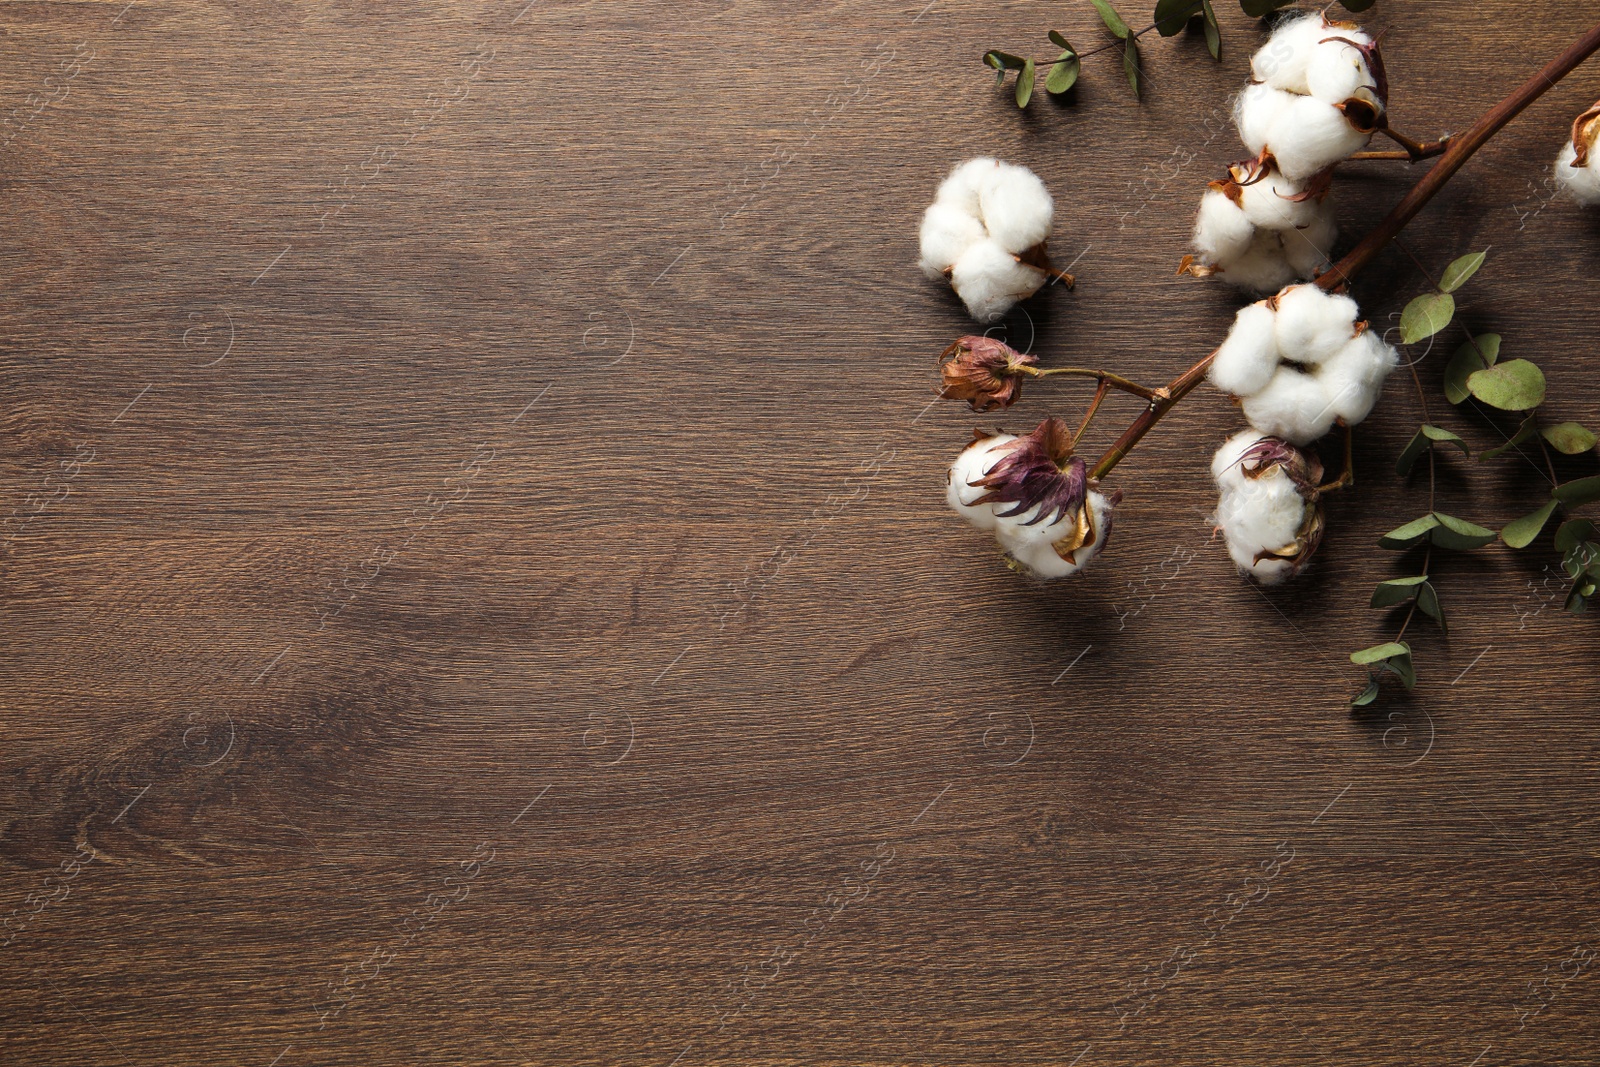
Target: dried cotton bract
(1034, 497)
(1578, 166)
(985, 232)
(1268, 510)
(1300, 361)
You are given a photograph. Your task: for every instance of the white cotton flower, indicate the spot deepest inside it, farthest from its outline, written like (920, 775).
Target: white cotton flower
(1338, 69)
(1284, 61)
(1309, 247)
(1035, 497)
(947, 231)
(1256, 111)
(1222, 231)
(1035, 546)
(1310, 135)
(1581, 183)
(1294, 406)
(1353, 378)
(986, 219)
(1247, 359)
(974, 463)
(1313, 324)
(1270, 203)
(1301, 361)
(990, 281)
(1264, 268)
(1267, 509)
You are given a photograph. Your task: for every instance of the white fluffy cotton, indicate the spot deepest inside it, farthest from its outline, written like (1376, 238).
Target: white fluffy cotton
(1259, 233)
(990, 281)
(1310, 135)
(1299, 76)
(1284, 62)
(985, 214)
(1581, 183)
(1247, 359)
(1301, 361)
(1257, 516)
(1222, 231)
(1034, 546)
(1256, 111)
(972, 464)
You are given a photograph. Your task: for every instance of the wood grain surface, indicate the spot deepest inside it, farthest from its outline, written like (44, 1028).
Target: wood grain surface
(477, 587)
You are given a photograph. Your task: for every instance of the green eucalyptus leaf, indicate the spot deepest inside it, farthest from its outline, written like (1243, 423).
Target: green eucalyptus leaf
(1109, 16)
(1525, 432)
(1573, 533)
(1172, 15)
(1213, 33)
(1457, 273)
(1515, 385)
(1368, 695)
(1428, 604)
(1063, 73)
(1060, 41)
(1520, 533)
(1569, 438)
(1379, 653)
(1130, 63)
(1458, 534)
(1396, 591)
(1025, 84)
(1581, 491)
(1478, 353)
(1410, 534)
(1421, 442)
(1426, 316)
(1003, 60)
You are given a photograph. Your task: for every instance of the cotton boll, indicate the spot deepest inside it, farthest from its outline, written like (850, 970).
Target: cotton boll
(1581, 183)
(1247, 359)
(1313, 325)
(1256, 111)
(971, 465)
(1221, 230)
(1268, 507)
(1293, 406)
(1353, 379)
(1308, 249)
(1310, 135)
(1284, 60)
(1264, 268)
(1262, 515)
(1338, 69)
(1267, 204)
(990, 281)
(1035, 547)
(1016, 207)
(1226, 467)
(947, 232)
(964, 187)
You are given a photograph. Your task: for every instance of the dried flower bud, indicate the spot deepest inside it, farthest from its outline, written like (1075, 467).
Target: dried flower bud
(984, 372)
(1269, 510)
(1035, 497)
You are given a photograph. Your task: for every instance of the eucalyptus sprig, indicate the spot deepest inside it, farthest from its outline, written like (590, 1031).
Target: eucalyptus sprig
(1476, 373)
(1171, 17)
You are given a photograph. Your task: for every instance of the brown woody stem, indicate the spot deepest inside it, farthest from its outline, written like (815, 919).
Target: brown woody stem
(1460, 149)
(1106, 377)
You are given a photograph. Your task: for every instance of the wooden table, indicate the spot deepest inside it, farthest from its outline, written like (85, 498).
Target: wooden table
(478, 590)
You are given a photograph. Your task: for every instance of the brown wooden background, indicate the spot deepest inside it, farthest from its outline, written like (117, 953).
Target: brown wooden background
(672, 719)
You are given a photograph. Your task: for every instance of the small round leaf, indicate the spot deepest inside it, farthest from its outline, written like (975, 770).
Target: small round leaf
(1515, 385)
(1426, 316)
